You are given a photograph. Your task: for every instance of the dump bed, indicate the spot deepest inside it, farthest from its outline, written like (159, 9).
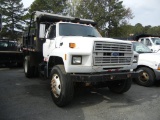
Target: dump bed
(48, 17)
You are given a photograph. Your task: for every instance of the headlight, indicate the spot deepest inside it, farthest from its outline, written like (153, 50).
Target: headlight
(76, 60)
(135, 59)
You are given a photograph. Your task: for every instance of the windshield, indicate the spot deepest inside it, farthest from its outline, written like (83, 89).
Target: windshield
(140, 48)
(156, 41)
(66, 29)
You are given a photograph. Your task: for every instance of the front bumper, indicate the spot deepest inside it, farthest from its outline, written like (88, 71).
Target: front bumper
(102, 77)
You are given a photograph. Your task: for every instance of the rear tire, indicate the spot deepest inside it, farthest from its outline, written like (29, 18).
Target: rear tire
(120, 86)
(62, 88)
(28, 69)
(145, 78)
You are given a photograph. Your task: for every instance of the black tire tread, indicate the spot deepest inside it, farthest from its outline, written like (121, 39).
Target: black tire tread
(124, 88)
(30, 71)
(67, 94)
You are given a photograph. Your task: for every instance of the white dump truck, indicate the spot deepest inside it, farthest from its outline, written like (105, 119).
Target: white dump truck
(70, 50)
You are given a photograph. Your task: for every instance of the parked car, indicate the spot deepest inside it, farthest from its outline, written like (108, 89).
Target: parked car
(149, 62)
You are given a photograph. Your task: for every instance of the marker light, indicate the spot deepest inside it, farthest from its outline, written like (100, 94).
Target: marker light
(72, 45)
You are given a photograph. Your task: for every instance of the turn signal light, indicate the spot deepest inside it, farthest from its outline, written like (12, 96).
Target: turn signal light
(158, 67)
(72, 45)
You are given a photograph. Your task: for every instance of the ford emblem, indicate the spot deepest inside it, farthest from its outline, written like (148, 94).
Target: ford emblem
(115, 54)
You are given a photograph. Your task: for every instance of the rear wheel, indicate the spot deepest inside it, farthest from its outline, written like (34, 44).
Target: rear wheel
(62, 88)
(28, 69)
(145, 78)
(120, 86)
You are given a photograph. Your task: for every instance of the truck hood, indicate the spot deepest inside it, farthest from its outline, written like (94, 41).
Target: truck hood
(149, 57)
(155, 48)
(92, 39)
(84, 42)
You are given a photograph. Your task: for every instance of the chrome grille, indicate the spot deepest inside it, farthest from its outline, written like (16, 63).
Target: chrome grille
(112, 46)
(112, 53)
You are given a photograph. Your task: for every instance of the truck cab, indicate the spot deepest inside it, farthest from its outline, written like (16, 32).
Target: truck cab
(78, 41)
(70, 51)
(57, 33)
(152, 42)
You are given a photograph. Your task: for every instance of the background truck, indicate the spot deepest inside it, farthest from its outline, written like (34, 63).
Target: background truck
(149, 63)
(10, 53)
(70, 50)
(151, 41)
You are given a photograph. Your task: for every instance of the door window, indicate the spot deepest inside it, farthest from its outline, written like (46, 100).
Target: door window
(142, 41)
(148, 42)
(52, 32)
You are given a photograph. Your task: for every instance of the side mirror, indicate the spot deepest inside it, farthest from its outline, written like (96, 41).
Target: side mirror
(42, 31)
(0, 22)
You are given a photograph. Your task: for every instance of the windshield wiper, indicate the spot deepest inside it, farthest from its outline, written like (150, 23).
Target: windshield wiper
(91, 36)
(149, 52)
(143, 52)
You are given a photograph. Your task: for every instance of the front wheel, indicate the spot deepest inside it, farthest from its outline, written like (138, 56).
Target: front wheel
(62, 88)
(145, 78)
(120, 86)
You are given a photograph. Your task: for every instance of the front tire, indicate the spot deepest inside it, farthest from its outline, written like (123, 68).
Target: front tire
(120, 86)
(62, 88)
(145, 78)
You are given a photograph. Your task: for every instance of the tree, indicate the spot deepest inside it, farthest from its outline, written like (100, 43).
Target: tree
(72, 7)
(125, 31)
(108, 13)
(154, 30)
(13, 12)
(147, 28)
(138, 29)
(51, 6)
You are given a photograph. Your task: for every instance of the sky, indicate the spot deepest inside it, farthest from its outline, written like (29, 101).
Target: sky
(146, 12)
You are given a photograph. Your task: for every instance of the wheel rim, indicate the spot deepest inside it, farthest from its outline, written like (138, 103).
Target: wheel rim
(25, 67)
(56, 85)
(144, 77)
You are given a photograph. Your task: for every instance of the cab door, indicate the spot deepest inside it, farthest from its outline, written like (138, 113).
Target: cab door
(49, 44)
